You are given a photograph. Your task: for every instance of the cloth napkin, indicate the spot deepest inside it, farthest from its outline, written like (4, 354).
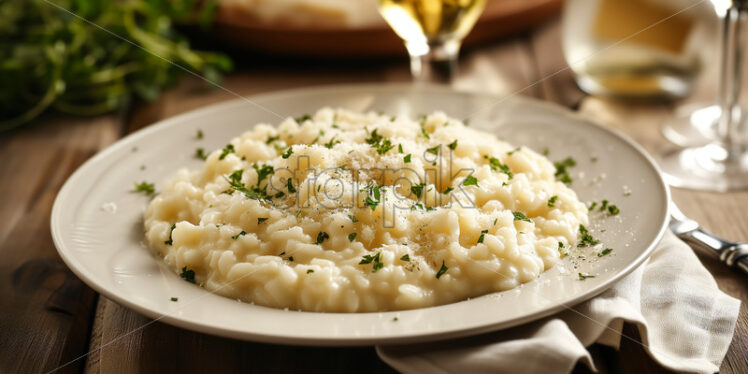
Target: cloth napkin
(686, 324)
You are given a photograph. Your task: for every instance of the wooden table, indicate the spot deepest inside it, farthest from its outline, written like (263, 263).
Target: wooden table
(49, 318)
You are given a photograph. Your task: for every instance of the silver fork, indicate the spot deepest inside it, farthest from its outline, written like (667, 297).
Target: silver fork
(731, 253)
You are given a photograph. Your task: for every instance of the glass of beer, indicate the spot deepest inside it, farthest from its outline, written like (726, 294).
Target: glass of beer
(432, 30)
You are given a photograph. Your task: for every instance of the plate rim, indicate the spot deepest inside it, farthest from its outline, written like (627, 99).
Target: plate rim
(282, 338)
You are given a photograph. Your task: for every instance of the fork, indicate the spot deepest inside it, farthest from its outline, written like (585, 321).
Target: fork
(731, 253)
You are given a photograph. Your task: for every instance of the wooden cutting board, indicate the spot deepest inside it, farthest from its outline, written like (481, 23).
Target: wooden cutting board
(239, 28)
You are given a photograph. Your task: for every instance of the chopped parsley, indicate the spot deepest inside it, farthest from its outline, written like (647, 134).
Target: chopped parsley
(613, 210)
(552, 201)
(174, 299)
(546, 151)
(394, 319)
(453, 145)
(254, 192)
(405, 258)
(368, 259)
(321, 237)
(448, 190)
(406, 159)
(287, 153)
(470, 181)
(604, 205)
(352, 237)
(482, 236)
(305, 117)
(260, 220)
(331, 143)
(145, 188)
(290, 186)
(272, 139)
(442, 270)
(433, 150)
(423, 128)
(200, 153)
(585, 276)
(562, 172)
(587, 239)
(417, 189)
(199, 134)
(226, 150)
(519, 216)
(309, 271)
(290, 258)
(593, 205)
(399, 148)
(242, 233)
(604, 252)
(353, 218)
(375, 193)
(171, 241)
(188, 275)
(262, 172)
(560, 245)
(497, 165)
(513, 150)
(379, 143)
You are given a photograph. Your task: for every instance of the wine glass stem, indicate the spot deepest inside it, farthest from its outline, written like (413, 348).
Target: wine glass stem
(730, 80)
(433, 61)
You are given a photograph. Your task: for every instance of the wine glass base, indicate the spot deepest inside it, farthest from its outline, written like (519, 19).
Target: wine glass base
(692, 125)
(705, 168)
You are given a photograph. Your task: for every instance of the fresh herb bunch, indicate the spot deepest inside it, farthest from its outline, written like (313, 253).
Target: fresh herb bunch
(49, 58)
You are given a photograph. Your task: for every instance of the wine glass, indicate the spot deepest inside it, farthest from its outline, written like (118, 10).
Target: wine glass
(432, 30)
(721, 164)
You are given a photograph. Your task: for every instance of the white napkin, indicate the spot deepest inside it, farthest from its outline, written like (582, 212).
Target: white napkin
(685, 321)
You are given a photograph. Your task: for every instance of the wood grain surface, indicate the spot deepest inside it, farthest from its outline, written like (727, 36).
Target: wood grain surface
(49, 319)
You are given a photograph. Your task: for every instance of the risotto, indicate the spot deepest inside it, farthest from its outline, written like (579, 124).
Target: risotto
(343, 211)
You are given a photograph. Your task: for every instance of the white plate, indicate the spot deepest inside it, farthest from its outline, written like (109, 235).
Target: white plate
(104, 247)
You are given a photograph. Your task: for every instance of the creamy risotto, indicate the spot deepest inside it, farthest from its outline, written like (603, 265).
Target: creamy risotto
(360, 212)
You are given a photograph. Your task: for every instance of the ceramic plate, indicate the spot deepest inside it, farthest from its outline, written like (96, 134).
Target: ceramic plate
(97, 226)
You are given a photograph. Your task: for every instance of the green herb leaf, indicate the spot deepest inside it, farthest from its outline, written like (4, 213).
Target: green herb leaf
(442, 270)
(417, 189)
(242, 233)
(288, 152)
(260, 220)
(405, 258)
(353, 218)
(351, 236)
(145, 188)
(226, 150)
(482, 236)
(188, 275)
(303, 118)
(433, 150)
(331, 143)
(604, 252)
(495, 165)
(399, 148)
(613, 210)
(199, 134)
(200, 153)
(470, 181)
(448, 190)
(272, 139)
(562, 169)
(552, 201)
(584, 276)
(309, 271)
(586, 238)
(406, 159)
(519, 216)
(175, 299)
(171, 241)
(290, 186)
(321, 237)
(453, 145)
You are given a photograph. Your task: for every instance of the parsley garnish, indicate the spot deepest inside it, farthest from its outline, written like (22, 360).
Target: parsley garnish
(448, 190)
(321, 236)
(513, 150)
(145, 188)
(470, 181)
(604, 252)
(263, 172)
(593, 205)
(368, 259)
(405, 258)
(482, 236)
(552, 201)
(560, 245)
(255, 192)
(351, 236)
(423, 128)
(406, 159)
(433, 150)
(272, 139)
(303, 118)
(242, 233)
(199, 134)
(497, 165)
(174, 299)
(228, 149)
(417, 189)
(613, 210)
(372, 203)
(442, 270)
(287, 153)
(290, 186)
(587, 239)
(453, 145)
(379, 143)
(188, 275)
(171, 241)
(260, 220)
(309, 271)
(200, 153)
(561, 169)
(399, 148)
(353, 218)
(331, 143)
(585, 276)
(604, 205)
(290, 258)
(519, 216)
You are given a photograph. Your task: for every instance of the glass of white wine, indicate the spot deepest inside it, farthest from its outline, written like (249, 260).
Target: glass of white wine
(432, 30)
